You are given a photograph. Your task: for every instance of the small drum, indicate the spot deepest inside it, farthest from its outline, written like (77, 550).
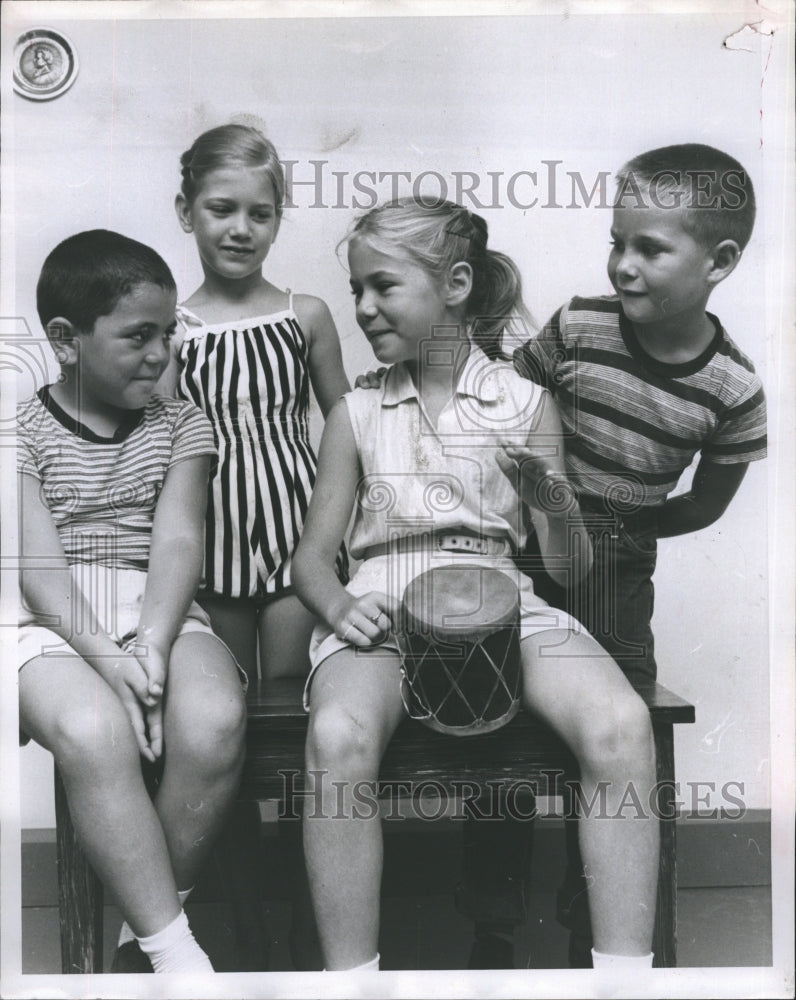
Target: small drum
(459, 639)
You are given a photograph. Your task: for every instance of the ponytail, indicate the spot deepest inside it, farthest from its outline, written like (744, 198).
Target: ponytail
(499, 304)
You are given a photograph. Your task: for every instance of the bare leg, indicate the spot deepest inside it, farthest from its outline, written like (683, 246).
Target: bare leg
(586, 698)
(356, 706)
(234, 621)
(70, 710)
(204, 724)
(285, 629)
(239, 845)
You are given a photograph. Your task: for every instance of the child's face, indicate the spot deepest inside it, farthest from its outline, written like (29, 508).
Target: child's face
(398, 303)
(657, 268)
(127, 351)
(234, 220)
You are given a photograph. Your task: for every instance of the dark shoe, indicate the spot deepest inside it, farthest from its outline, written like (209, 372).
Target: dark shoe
(130, 958)
(491, 951)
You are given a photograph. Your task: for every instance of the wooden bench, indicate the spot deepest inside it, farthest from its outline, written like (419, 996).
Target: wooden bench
(525, 750)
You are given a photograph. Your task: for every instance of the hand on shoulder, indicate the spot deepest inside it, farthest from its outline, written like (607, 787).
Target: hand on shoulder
(370, 380)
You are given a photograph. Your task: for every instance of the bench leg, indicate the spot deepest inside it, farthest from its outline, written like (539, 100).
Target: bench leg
(664, 937)
(79, 895)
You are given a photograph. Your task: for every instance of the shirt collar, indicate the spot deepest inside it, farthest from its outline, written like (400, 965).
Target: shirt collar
(478, 379)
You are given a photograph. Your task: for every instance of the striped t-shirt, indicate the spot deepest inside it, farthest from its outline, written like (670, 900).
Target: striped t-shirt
(633, 424)
(102, 492)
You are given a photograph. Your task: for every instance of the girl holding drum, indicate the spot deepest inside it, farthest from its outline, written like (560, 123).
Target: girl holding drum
(432, 463)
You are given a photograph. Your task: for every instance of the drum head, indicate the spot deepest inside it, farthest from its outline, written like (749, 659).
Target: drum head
(459, 602)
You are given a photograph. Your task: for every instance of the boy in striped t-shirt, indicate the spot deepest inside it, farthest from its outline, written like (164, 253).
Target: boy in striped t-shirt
(116, 660)
(644, 381)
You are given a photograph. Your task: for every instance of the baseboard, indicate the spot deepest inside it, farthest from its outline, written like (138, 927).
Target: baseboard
(424, 858)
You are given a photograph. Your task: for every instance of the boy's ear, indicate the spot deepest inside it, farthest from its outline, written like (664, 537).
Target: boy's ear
(61, 334)
(183, 210)
(725, 256)
(460, 284)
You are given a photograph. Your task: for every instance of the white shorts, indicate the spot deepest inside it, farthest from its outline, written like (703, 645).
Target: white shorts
(117, 596)
(391, 574)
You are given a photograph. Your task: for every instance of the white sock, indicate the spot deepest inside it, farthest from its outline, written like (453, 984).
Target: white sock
(620, 962)
(370, 966)
(174, 949)
(126, 933)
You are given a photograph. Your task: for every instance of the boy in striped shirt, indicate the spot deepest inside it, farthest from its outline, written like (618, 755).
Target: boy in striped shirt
(644, 381)
(116, 660)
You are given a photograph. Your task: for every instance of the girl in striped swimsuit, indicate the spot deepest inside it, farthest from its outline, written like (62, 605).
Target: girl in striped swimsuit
(247, 356)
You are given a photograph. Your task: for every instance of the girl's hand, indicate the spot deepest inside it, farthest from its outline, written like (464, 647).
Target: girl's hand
(370, 380)
(365, 621)
(537, 484)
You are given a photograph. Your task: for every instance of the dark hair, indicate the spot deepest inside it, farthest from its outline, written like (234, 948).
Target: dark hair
(714, 188)
(231, 145)
(443, 234)
(84, 277)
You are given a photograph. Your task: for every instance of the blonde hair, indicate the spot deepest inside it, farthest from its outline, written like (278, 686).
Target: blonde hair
(231, 145)
(438, 236)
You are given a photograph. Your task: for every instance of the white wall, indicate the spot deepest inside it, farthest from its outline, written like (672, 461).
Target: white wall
(445, 94)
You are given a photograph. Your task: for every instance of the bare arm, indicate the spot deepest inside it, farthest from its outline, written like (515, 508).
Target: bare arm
(49, 591)
(176, 553)
(328, 378)
(712, 489)
(330, 509)
(538, 474)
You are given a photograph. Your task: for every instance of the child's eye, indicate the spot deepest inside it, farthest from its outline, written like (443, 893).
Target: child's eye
(263, 217)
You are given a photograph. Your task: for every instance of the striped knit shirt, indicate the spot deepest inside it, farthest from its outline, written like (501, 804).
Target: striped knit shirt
(102, 492)
(632, 424)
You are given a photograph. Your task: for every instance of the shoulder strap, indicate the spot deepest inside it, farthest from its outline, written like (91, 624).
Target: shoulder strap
(188, 318)
(289, 297)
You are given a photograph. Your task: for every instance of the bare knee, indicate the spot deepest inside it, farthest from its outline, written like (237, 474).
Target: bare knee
(94, 740)
(618, 737)
(339, 742)
(211, 733)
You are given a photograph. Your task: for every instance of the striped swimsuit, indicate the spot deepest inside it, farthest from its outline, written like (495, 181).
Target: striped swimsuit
(250, 377)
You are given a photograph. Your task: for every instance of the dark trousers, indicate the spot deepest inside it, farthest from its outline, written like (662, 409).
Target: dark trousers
(614, 603)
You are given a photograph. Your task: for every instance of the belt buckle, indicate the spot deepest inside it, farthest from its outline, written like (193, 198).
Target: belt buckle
(462, 543)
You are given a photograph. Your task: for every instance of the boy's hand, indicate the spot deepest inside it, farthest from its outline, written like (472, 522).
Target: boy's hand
(365, 621)
(155, 663)
(536, 483)
(127, 678)
(370, 380)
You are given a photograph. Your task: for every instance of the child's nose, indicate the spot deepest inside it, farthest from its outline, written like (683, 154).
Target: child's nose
(239, 224)
(626, 264)
(158, 351)
(366, 306)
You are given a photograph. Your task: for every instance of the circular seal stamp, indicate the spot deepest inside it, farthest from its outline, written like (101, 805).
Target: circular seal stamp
(45, 64)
